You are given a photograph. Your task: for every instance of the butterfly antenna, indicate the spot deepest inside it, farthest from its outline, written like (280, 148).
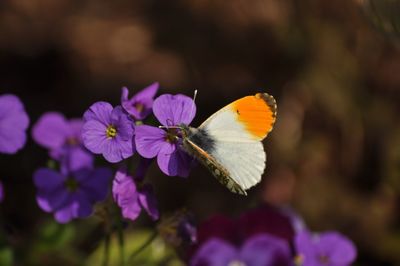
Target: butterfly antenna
(194, 100)
(168, 127)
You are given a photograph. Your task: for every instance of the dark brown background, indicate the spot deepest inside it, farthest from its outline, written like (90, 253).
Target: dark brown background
(333, 66)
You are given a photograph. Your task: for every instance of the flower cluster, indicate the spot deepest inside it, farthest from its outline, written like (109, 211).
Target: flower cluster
(14, 122)
(115, 132)
(118, 132)
(71, 191)
(264, 236)
(63, 140)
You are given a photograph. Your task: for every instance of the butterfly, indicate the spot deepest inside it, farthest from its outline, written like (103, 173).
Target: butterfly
(229, 142)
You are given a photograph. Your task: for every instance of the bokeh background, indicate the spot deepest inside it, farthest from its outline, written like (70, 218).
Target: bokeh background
(333, 67)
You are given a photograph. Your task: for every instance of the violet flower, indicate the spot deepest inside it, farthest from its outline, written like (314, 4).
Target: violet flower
(140, 105)
(259, 250)
(108, 131)
(171, 111)
(63, 139)
(73, 195)
(132, 198)
(13, 124)
(179, 229)
(329, 248)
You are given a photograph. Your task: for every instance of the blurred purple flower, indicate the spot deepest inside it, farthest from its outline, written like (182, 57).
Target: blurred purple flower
(264, 219)
(329, 248)
(171, 111)
(139, 106)
(73, 195)
(178, 230)
(108, 131)
(132, 199)
(259, 250)
(63, 139)
(13, 124)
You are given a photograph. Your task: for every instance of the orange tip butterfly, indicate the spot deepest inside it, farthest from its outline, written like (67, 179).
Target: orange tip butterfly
(229, 142)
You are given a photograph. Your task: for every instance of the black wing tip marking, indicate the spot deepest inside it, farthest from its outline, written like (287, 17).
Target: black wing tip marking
(270, 101)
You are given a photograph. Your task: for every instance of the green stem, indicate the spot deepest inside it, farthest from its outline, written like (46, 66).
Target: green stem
(106, 257)
(121, 243)
(143, 247)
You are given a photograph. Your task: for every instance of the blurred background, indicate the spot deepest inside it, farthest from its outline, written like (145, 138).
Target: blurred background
(333, 67)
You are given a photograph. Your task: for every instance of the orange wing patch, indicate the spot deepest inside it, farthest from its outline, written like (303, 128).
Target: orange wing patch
(257, 113)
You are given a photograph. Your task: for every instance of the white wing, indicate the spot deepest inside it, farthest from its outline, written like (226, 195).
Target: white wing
(234, 148)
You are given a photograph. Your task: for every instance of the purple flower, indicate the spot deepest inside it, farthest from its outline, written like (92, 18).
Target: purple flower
(178, 229)
(171, 111)
(13, 124)
(329, 248)
(73, 195)
(108, 131)
(63, 139)
(259, 250)
(132, 198)
(139, 106)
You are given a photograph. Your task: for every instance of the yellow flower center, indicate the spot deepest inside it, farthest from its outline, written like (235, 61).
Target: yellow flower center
(72, 141)
(236, 263)
(111, 131)
(71, 184)
(172, 135)
(323, 259)
(139, 107)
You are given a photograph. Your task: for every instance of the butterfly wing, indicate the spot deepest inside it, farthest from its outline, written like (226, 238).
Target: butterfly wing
(236, 132)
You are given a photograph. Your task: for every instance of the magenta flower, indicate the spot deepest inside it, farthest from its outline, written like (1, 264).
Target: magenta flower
(131, 198)
(170, 110)
(139, 106)
(108, 131)
(13, 124)
(329, 248)
(259, 250)
(71, 196)
(63, 139)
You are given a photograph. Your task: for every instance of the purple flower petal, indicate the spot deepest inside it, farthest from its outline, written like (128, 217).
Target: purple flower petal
(140, 105)
(13, 123)
(126, 196)
(172, 110)
(114, 147)
(172, 161)
(83, 206)
(149, 140)
(95, 185)
(264, 249)
(148, 201)
(48, 179)
(75, 158)
(329, 247)
(340, 249)
(115, 151)
(51, 130)
(54, 200)
(100, 111)
(147, 93)
(65, 214)
(94, 136)
(214, 252)
(305, 247)
(75, 128)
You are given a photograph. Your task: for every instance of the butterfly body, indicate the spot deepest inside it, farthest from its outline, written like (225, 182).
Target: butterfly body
(229, 143)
